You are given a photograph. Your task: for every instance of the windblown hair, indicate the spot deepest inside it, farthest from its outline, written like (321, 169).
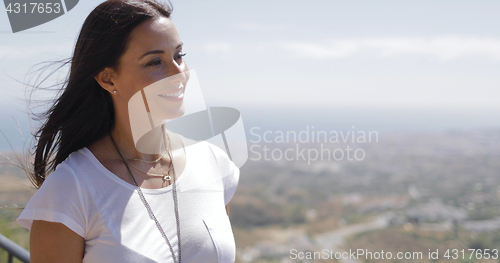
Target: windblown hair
(84, 112)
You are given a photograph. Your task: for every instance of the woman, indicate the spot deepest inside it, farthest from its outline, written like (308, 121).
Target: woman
(106, 199)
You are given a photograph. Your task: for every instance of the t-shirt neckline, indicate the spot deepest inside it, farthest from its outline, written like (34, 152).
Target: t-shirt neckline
(115, 178)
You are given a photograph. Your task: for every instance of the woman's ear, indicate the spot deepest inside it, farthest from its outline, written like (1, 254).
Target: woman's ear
(104, 78)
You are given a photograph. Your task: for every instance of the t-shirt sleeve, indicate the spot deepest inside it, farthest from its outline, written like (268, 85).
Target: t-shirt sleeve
(229, 171)
(59, 199)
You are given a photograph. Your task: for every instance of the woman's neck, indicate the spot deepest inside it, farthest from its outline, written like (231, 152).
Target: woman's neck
(149, 147)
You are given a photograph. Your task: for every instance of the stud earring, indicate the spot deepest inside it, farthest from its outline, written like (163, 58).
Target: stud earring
(114, 91)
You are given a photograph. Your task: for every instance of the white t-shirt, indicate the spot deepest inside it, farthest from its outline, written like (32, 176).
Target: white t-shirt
(109, 214)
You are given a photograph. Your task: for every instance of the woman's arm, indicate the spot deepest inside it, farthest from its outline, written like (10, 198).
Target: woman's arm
(54, 243)
(227, 209)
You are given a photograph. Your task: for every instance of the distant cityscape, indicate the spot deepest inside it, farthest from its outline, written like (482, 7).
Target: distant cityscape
(412, 192)
(432, 188)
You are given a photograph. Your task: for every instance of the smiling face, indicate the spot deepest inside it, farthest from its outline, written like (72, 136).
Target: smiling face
(153, 63)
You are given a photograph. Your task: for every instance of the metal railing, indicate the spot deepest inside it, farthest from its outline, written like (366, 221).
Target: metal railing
(14, 250)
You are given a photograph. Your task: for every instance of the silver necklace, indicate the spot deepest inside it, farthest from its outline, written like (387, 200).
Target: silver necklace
(165, 174)
(150, 211)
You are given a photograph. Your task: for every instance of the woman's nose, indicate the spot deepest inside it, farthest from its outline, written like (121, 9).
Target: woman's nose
(176, 71)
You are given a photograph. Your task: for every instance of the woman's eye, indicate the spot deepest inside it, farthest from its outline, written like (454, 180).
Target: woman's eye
(154, 62)
(158, 61)
(181, 55)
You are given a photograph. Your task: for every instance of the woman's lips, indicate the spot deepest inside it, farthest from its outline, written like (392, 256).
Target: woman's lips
(173, 96)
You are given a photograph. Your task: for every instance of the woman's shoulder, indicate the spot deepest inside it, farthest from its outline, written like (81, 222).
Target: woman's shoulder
(73, 159)
(64, 172)
(59, 199)
(68, 170)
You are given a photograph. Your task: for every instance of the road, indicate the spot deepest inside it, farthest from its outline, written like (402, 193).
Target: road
(334, 240)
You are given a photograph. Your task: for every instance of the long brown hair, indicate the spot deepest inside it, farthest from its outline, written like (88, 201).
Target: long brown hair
(84, 113)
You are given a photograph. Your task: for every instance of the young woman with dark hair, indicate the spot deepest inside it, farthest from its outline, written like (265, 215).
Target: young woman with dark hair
(100, 199)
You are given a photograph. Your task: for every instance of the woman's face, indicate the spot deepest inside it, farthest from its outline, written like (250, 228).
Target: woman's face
(153, 63)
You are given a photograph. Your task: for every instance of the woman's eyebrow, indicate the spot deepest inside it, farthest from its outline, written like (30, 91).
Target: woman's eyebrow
(152, 52)
(159, 51)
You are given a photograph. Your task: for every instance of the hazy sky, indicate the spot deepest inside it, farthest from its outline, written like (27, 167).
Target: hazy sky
(421, 54)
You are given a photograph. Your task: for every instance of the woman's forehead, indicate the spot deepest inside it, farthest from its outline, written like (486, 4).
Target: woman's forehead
(153, 34)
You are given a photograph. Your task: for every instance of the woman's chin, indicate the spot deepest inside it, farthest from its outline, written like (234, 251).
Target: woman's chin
(172, 113)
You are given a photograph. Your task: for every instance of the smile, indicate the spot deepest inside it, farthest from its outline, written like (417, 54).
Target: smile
(175, 94)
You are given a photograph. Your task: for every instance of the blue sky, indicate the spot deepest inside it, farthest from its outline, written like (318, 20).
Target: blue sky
(366, 54)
